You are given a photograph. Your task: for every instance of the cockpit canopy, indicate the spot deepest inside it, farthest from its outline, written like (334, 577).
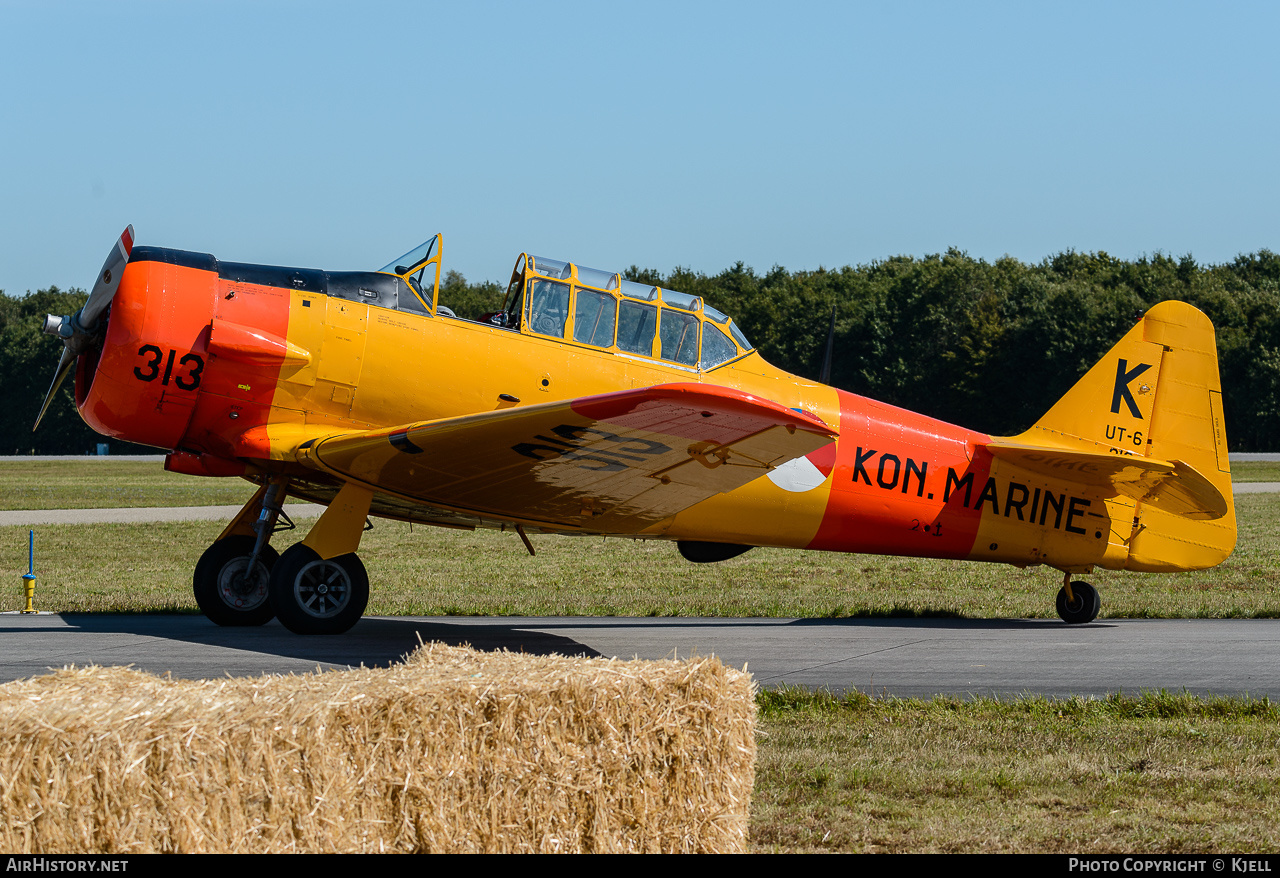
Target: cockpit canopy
(420, 269)
(558, 299)
(587, 306)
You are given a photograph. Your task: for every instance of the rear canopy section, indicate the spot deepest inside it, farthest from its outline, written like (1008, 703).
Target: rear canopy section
(563, 300)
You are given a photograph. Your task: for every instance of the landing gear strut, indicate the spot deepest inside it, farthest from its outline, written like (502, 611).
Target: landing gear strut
(1078, 601)
(227, 589)
(318, 586)
(232, 578)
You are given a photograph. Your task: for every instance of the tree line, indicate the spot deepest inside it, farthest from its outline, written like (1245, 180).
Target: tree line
(988, 345)
(28, 359)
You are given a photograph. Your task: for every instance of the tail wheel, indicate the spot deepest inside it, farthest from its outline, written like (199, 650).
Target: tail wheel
(312, 595)
(227, 592)
(1082, 606)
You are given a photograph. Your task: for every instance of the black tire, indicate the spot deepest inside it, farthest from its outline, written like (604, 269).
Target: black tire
(1085, 606)
(221, 591)
(314, 596)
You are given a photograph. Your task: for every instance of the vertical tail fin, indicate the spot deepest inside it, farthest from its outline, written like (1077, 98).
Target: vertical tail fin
(1156, 394)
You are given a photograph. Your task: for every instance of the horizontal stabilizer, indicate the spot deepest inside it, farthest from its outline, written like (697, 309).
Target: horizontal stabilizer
(1169, 485)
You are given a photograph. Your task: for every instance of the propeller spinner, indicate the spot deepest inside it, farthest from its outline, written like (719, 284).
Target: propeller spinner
(79, 329)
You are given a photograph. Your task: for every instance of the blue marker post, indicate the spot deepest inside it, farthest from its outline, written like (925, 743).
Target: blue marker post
(29, 580)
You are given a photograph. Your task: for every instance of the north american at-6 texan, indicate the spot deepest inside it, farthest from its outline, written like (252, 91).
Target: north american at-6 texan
(594, 405)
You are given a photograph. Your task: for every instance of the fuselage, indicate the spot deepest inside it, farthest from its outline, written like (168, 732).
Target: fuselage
(231, 366)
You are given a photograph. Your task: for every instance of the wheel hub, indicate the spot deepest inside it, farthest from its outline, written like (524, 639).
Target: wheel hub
(323, 589)
(241, 589)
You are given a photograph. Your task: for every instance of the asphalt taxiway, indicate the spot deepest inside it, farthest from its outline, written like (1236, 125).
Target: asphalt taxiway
(901, 657)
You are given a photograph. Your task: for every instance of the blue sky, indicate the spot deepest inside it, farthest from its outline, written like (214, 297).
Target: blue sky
(339, 135)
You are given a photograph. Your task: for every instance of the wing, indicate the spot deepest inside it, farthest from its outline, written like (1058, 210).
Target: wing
(1169, 485)
(617, 463)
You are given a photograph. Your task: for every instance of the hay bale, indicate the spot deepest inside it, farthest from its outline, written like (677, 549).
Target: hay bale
(455, 750)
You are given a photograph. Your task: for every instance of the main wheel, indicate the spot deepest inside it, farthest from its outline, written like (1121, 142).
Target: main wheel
(226, 592)
(1084, 605)
(311, 595)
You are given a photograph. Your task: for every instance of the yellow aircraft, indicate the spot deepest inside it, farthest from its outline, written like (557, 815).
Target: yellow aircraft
(593, 405)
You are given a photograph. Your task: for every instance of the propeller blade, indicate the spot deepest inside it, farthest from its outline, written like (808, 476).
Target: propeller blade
(64, 366)
(108, 280)
(77, 331)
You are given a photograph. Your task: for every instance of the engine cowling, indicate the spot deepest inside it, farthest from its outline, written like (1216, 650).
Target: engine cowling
(144, 382)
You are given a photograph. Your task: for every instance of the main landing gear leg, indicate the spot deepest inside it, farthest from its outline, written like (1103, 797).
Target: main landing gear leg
(232, 577)
(1078, 602)
(319, 586)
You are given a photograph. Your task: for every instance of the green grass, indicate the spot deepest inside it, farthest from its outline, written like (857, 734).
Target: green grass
(1255, 471)
(1155, 773)
(102, 484)
(430, 571)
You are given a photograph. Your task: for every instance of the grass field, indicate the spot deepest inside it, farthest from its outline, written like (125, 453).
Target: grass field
(1156, 773)
(112, 482)
(431, 571)
(1255, 471)
(1152, 774)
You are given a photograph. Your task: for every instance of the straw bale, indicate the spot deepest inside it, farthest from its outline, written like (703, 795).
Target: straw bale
(454, 750)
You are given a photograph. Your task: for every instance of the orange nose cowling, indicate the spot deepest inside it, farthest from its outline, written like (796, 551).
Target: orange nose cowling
(153, 360)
